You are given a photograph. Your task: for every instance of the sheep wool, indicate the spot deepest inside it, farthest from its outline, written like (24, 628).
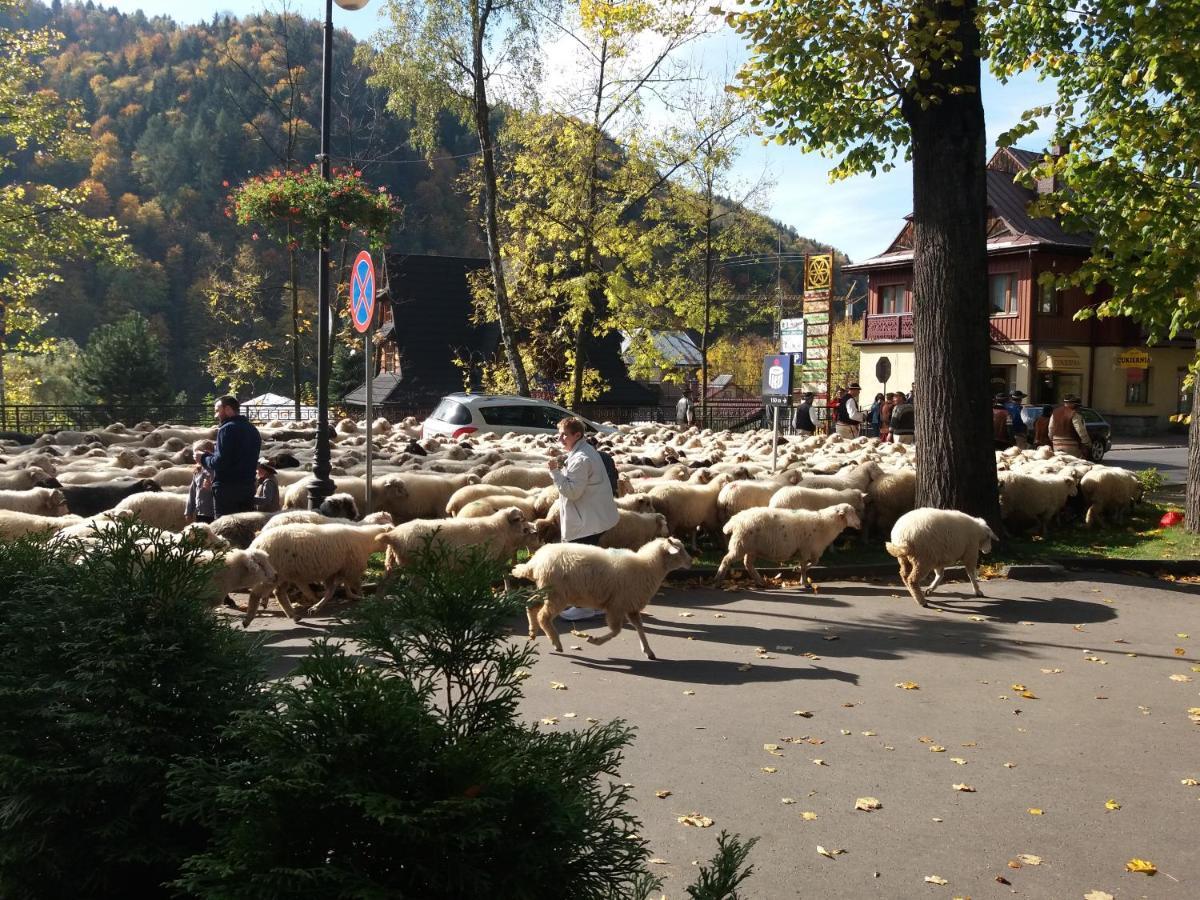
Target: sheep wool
(783, 534)
(928, 540)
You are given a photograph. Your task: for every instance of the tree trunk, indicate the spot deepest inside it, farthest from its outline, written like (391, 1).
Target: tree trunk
(708, 274)
(956, 466)
(483, 129)
(1192, 503)
(295, 323)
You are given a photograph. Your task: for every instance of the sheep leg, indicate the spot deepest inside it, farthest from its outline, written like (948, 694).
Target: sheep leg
(723, 568)
(251, 608)
(285, 604)
(974, 576)
(532, 617)
(905, 568)
(615, 622)
(914, 583)
(636, 619)
(545, 619)
(938, 575)
(748, 562)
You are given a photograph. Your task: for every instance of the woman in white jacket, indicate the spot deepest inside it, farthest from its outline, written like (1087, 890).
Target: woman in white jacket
(586, 508)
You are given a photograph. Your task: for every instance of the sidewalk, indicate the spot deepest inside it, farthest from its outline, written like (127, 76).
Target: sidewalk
(1150, 442)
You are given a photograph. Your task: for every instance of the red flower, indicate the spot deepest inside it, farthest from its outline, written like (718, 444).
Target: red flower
(224, 184)
(254, 237)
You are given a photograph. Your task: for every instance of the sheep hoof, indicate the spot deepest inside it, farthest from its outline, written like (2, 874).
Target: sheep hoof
(650, 655)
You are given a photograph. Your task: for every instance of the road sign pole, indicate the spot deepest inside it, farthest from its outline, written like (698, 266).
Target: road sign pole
(370, 378)
(774, 439)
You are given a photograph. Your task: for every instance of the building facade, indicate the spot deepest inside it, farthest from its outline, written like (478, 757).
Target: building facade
(1037, 345)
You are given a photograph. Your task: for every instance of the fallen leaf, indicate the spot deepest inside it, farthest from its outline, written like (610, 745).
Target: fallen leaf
(575, 647)
(1181, 634)
(924, 740)
(830, 853)
(808, 816)
(1003, 880)
(868, 734)
(686, 615)
(965, 788)
(958, 760)
(1018, 687)
(908, 685)
(846, 731)
(866, 804)
(1013, 864)
(936, 879)
(658, 862)
(1180, 678)
(695, 820)
(1141, 865)
(1034, 811)
(969, 744)
(591, 720)
(1097, 895)
(770, 770)
(550, 720)
(718, 615)
(1029, 695)
(1194, 710)
(689, 693)
(1051, 671)
(662, 795)
(787, 801)
(1010, 765)
(569, 715)
(978, 618)
(937, 748)
(1179, 651)
(773, 749)
(1029, 859)
(829, 637)
(804, 713)
(820, 762)
(1189, 782)
(936, 819)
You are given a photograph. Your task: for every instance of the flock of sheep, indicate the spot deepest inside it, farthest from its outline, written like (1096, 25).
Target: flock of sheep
(495, 492)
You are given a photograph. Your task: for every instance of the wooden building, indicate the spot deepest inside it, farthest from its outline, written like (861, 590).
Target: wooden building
(1037, 346)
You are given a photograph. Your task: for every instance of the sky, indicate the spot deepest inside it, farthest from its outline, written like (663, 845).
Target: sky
(859, 216)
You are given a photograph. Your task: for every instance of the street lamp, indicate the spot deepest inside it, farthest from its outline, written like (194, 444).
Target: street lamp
(321, 486)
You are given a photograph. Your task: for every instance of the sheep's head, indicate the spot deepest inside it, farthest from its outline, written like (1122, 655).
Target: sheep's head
(985, 544)
(257, 567)
(56, 501)
(378, 518)
(661, 525)
(846, 513)
(672, 553)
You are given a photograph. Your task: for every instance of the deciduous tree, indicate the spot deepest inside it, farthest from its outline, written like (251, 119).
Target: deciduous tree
(866, 81)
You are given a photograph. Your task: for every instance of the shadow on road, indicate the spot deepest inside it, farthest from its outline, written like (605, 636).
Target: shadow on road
(709, 671)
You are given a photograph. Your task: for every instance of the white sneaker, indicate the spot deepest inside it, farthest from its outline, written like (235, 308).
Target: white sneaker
(577, 613)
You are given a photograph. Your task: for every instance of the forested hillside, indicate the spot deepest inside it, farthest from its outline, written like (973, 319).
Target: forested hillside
(179, 115)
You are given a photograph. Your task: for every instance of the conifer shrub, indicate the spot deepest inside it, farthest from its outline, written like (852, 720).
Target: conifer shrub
(405, 771)
(112, 668)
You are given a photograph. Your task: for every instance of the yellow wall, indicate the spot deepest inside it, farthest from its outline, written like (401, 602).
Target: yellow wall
(1165, 363)
(901, 356)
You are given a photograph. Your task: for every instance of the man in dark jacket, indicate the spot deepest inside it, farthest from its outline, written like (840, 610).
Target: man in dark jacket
(235, 461)
(802, 420)
(903, 425)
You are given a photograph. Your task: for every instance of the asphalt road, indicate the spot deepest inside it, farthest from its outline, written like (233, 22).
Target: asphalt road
(1056, 697)
(1170, 461)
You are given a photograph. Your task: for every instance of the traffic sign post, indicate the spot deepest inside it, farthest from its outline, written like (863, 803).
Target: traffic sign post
(791, 338)
(883, 371)
(776, 392)
(362, 315)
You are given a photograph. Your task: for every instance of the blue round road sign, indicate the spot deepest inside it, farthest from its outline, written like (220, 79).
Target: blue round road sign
(362, 292)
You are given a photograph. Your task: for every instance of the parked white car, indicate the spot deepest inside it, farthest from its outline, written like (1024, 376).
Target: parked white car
(460, 415)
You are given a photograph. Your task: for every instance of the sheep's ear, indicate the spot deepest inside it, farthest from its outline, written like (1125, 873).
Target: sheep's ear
(514, 515)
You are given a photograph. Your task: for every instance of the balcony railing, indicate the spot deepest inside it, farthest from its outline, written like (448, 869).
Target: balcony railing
(889, 327)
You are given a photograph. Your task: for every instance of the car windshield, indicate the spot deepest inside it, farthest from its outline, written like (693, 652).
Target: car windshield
(1091, 416)
(451, 412)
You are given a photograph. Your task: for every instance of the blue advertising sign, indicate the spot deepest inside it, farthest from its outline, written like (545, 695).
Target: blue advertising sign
(777, 379)
(362, 292)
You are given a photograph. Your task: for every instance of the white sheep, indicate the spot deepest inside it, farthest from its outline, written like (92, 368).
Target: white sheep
(782, 534)
(38, 501)
(24, 479)
(858, 477)
(14, 524)
(739, 495)
(928, 540)
(303, 554)
(241, 570)
(801, 497)
(465, 495)
(519, 476)
(1109, 493)
(634, 530)
(888, 498)
(689, 507)
(1034, 498)
(312, 517)
(158, 509)
(502, 533)
(486, 506)
(620, 582)
(642, 503)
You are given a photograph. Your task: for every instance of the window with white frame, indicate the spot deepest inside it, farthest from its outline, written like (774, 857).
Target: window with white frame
(1002, 289)
(891, 299)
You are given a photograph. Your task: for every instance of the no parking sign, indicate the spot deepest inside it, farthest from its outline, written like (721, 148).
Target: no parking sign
(362, 292)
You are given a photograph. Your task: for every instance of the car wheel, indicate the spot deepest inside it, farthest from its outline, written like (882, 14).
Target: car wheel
(1098, 451)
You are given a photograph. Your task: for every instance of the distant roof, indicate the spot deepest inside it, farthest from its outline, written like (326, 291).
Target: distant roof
(384, 389)
(676, 347)
(1010, 225)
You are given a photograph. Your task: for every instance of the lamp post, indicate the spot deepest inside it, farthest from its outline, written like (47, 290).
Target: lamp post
(321, 486)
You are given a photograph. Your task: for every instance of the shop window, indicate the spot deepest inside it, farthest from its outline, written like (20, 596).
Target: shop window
(1137, 387)
(1049, 300)
(1003, 291)
(891, 299)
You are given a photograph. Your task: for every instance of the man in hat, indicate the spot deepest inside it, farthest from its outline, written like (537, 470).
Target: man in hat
(802, 420)
(1020, 428)
(1001, 422)
(1068, 431)
(266, 488)
(849, 416)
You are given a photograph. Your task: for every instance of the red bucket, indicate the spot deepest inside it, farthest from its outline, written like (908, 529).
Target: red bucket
(1170, 518)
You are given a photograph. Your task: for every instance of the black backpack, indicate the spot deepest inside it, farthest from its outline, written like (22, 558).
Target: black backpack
(610, 469)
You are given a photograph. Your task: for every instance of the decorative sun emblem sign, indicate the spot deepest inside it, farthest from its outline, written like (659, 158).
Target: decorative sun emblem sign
(818, 273)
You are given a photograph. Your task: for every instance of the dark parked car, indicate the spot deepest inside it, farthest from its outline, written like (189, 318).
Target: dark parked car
(1100, 431)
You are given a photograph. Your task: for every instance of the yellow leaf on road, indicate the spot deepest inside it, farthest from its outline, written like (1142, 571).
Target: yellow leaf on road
(1029, 859)
(770, 770)
(830, 853)
(1034, 811)
(804, 713)
(1018, 687)
(569, 715)
(1111, 804)
(1189, 782)
(820, 762)
(808, 816)
(686, 615)
(1141, 865)
(550, 720)
(1181, 634)
(1010, 765)
(908, 685)
(1051, 671)
(1179, 651)
(866, 804)
(662, 795)
(695, 820)
(1180, 678)
(787, 801)
(658, 862)
(937, 748)
(557, 686)
(936, 879)
(958, 760)
(965, 788)
(773, 749)
(1097, 895)
(1029, 695)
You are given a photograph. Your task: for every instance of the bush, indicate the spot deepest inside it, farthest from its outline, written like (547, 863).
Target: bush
(111, 668)
(409, 774)
(1151, 480)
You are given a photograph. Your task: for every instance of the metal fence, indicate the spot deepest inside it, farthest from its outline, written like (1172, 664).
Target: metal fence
(37, 418)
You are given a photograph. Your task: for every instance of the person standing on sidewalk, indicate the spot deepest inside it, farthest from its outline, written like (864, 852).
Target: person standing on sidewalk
(849, 416)
(1001, 422)
(802, 420)
(685, 410)
(235, 461)
(904, 421)
(1020, 430)
(586, 508)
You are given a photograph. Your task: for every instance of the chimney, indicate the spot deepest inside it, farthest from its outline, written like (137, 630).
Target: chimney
(1051, 184)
